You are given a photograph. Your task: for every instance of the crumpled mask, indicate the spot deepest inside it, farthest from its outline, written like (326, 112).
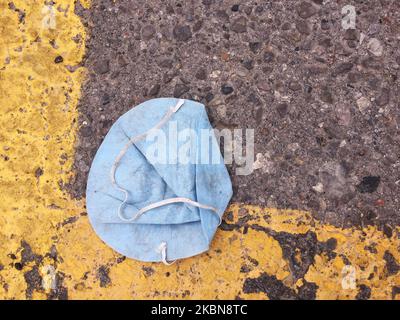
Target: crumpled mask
(143, 200)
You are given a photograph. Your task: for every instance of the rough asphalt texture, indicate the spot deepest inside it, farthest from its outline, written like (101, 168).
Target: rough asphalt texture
(323, 101)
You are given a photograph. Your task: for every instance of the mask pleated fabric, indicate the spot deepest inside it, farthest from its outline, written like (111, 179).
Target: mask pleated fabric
(143, 198)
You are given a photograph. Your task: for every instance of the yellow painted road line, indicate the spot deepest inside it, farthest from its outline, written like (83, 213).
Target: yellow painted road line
(47, 247)
(38, 99)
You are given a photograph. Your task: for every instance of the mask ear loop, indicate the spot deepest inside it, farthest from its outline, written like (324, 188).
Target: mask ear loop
(178, 200)
(163, 246)
(163, 250)
(122, 153)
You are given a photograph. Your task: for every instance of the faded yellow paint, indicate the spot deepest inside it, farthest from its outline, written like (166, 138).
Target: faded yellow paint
(38, 99)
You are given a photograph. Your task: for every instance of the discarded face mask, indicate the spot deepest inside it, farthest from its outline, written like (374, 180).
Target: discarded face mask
(153, 208)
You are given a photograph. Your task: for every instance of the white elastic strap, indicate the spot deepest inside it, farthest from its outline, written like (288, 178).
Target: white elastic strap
(163, 250)
(170, 201)
(179, 104)
(132, 141)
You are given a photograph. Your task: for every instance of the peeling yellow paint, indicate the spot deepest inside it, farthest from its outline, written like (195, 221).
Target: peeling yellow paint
(217, 274)
(38, 98)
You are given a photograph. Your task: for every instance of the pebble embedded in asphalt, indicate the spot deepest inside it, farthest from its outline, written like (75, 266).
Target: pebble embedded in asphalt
(225, 89)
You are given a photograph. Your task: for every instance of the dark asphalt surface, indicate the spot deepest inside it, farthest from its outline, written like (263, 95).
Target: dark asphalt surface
(323, 101)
